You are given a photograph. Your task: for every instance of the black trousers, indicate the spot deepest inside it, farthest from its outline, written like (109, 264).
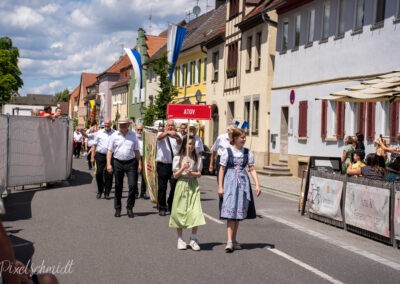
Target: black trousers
(217, 166)
(164, 172)
(129, 168)
(143, 183)
(89, 156)
(103, 178)
(77, 150)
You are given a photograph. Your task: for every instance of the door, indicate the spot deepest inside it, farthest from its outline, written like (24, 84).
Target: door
(284, 134)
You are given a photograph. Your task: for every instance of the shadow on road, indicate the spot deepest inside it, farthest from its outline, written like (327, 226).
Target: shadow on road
(257, 246)
(210, 246)
(18, 206)
(23, 249)
(80, 178)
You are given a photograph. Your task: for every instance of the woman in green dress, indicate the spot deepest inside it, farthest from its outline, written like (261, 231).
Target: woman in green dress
(186, 207)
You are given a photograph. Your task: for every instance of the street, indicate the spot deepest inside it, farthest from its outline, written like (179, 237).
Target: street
(67, 226)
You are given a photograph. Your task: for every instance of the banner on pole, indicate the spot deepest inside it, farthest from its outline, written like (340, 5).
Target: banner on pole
(202, 112)
(149, 163)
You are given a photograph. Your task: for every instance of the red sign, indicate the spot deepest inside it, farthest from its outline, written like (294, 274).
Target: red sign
(189, 111)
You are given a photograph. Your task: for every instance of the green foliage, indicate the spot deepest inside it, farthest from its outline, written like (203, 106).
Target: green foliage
(167, 92)
(75, 122)
(10, 79)
(62, 96)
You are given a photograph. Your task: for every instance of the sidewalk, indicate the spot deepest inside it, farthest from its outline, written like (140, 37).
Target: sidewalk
(289, 186)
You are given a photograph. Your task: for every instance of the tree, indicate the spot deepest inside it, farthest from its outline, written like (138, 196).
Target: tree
(10, 79)
(167, 92)
(62, 96)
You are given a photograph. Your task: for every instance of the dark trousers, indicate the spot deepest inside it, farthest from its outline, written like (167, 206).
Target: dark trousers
(77, 150)
(217, 166)
(164, 172)
(130, 169)
(103, 178)
(89, 156)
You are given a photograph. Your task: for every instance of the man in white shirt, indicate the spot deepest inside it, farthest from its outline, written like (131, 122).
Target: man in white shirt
(99, 152)
(199, 144)
(77, 142)
(168, 145)
(90, 138)
(123, 145)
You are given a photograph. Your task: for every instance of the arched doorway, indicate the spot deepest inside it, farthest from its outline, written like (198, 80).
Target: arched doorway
(215, 119)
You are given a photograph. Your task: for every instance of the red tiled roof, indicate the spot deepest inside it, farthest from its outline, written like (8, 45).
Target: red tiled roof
(154, 43)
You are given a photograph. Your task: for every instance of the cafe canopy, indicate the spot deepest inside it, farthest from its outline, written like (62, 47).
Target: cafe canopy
(385, 87)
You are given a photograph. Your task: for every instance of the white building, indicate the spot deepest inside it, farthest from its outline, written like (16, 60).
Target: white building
(325, 46)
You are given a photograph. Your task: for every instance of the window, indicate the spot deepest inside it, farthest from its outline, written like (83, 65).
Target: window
(188, 76)
(192, 72)
(311, 26)
(385, 121)
(232, 60)
(231, 111)
(257, 56)
(394, 121)
(303, 106)
(324, 118)
(248, 53)
(297, 32)
(361, 118)
(233, 8)
(215, 62)
(285, 31)
(177, 71)
(379, 13)
(198, 72)
(325, 20)
(205, 70)
(341, 18)
(182, 75)
(397, 15)
(332, 119)
(371, 121)
(255, 117)
(359, 17)
(247, 110)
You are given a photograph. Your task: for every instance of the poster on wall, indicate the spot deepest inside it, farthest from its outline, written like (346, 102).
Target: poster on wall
(367, 207)
(324, 197)
(396, 216)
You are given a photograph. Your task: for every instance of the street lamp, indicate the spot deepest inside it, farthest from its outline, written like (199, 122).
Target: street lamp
(198, 96)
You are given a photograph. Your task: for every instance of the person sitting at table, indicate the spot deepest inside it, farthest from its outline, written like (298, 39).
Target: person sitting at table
(393, 170)
(358, 161)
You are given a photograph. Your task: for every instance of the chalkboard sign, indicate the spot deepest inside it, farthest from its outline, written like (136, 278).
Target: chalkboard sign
(324, 164)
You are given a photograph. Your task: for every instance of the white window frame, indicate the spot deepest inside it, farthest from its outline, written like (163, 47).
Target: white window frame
(215, 66)
(249, 46)
(285, 35)
(255, 116)
(182, 75)
(375, 20)
(257, 59)
(297, 29)
(353, 117)
(197, 72)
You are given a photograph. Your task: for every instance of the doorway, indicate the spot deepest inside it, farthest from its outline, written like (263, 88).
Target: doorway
(284, 133)
(215, 119)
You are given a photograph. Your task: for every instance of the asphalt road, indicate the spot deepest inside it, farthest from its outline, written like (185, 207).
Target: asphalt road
(67, 226)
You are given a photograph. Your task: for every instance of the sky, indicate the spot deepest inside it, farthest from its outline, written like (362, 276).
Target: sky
(58, 40)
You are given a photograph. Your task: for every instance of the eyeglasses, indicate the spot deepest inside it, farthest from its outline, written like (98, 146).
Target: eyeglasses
(139, 129)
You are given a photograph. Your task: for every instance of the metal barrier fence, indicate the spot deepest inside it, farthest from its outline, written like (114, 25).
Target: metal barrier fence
(34, 150)
(367, 207)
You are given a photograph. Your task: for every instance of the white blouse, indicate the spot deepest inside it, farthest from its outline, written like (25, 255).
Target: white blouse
(176, 165)
(237, 154)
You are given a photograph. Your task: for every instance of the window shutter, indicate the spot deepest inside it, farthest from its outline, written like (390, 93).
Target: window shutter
(339, 120)
(303, 118)
(394, 120)
(361, 118)
(370, 121)
(324, 111)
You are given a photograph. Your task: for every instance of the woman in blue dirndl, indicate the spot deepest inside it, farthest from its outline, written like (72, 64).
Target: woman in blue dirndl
(234, 186)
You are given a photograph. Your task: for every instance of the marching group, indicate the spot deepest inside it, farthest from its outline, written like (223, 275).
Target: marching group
(384, 164)
(117, 153)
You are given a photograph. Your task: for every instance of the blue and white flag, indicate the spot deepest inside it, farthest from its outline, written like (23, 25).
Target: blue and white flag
(176, 35)
(136, 61)
(242, 124)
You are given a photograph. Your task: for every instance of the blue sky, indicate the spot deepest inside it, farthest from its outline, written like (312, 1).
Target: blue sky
(58, 40)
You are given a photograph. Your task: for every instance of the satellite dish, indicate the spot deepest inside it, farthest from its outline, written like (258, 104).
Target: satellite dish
(196, 10)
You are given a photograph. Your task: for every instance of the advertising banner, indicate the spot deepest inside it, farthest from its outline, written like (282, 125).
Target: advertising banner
(150, 167)
(367, 207)
(324, 197)
(396, 216)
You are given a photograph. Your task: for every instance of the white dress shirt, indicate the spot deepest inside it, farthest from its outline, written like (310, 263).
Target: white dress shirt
(123, 147)
(78, 137)
(221, 144)
(102, 139)
(140, 143)
(91, 137)
(163, 151)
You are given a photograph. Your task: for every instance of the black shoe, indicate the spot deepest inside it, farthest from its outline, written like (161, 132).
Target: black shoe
(107, 196)
(117, 213)
(144, 196)
(162, 212)
(136, 196)
(98, 195)
(130, 213)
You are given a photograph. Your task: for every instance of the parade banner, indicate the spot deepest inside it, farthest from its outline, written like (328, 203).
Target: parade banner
(396, 215)
(150, 165)
(324, 197)
(367, 207)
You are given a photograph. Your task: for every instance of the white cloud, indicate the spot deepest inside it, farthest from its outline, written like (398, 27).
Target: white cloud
(49, 9)
(24, 17)
(58, 44)
(47, 88)
(78, 18)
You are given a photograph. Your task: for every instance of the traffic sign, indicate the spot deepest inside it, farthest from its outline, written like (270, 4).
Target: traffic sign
(202, 112)
(292, 96)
